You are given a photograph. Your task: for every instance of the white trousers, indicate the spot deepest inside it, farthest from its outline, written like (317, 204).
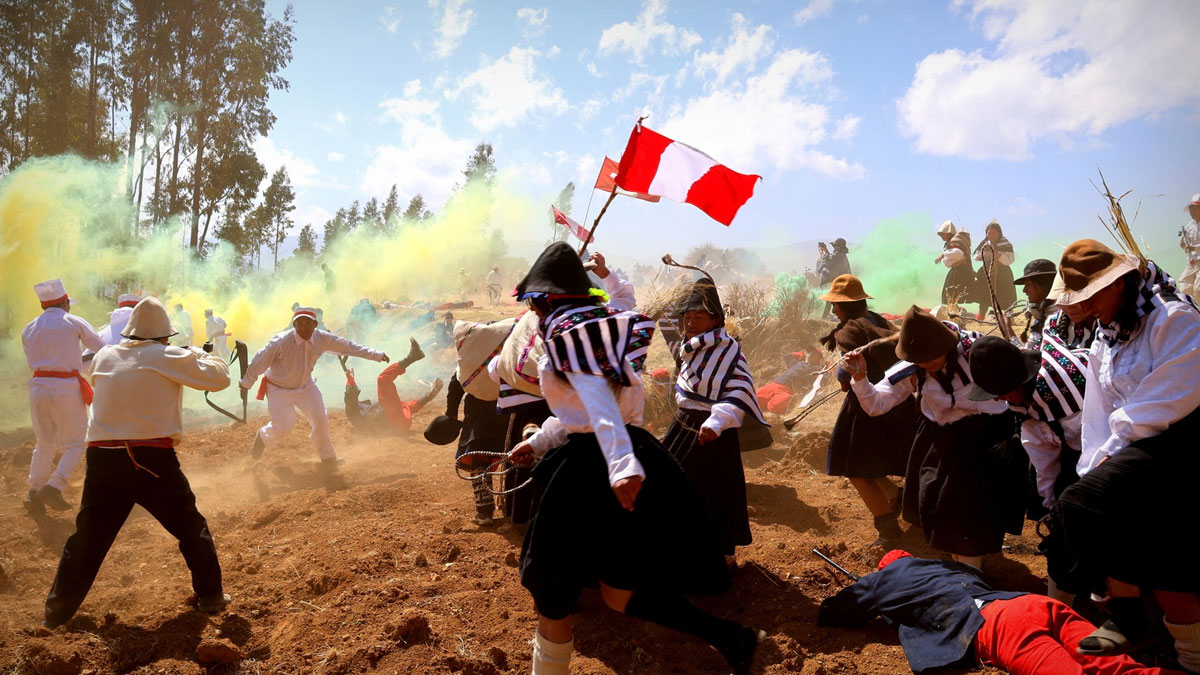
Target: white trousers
(221, 347)
(60, 422)
(283, 405)
(1187, 282)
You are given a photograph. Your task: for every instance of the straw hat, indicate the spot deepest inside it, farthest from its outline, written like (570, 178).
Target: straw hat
(149, 321)
(923, 338)
(1088, 266)
(846, 288)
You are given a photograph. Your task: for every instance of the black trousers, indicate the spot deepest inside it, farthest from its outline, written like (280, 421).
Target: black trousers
(110, 489)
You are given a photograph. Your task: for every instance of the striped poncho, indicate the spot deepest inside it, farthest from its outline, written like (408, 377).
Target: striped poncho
(596, 340)
(712, 369)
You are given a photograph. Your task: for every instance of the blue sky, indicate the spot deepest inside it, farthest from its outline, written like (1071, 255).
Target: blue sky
(852, 111)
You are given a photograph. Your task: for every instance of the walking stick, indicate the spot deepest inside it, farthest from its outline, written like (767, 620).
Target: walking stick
(1001, 318)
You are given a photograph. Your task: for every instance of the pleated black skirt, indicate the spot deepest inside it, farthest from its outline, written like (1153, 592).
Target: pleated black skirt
(861, 446)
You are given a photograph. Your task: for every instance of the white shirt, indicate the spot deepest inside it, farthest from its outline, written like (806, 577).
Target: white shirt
(287, 361)
(1190, 241)
(1003, 257)
(493, 278)
(587, 404)
(111, 334)
(877, 399)
(953, 256)
(52, 340)
(1137, 389)
(1045, 450)
(214, 326)
(721, 416)
(139, 388)
(183, 324)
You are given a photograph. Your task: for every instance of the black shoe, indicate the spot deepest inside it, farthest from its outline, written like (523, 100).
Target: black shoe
(32, 506)
(52, 497)
(740, 654)
(256, 450)
(213, 604)
(888, 528)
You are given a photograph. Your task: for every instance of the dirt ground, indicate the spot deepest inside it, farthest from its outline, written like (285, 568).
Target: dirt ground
(390, 574)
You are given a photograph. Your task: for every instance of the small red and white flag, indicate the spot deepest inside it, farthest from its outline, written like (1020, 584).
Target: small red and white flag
(607, 181)
(576, 229)
(656, 165)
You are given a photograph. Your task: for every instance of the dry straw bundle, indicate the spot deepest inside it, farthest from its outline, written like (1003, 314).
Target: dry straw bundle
(1116, 224)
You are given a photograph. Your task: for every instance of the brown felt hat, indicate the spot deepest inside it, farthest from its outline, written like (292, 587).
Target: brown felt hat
(846, 288)
(1088, 266)
(923, 338)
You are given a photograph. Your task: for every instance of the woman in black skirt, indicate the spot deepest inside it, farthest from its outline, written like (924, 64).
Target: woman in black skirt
(967, 470)
(715, 393)
(862, 448)
(614, 508)
(996, 254)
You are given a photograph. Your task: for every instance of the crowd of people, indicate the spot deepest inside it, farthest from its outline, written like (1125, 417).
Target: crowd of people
(1080, 422)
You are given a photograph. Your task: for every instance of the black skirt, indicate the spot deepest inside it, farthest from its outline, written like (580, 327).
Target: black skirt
(518, 506)
(580, 535)
(483, 429)
(965, 483)
(1006, 288)
(861, 446)
(959, 286)
(715, 471)
(1132, 518)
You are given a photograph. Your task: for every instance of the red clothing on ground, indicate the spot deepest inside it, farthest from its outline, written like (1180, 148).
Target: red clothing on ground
(399, 413)
(1033, 634)
(774, 397)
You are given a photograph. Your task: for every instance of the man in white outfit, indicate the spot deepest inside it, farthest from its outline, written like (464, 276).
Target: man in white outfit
(183, 323)
(214, 330)
(286, 364)
(110, 333)
(58, 394)
(1189, 241)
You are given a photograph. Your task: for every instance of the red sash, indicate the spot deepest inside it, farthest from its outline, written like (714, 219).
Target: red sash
(85, 389)
(262, 389)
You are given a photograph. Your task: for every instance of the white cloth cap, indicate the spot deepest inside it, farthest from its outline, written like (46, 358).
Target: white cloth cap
(129, 299)
(1195, 200)
(49, 291)
(310, 312)
(149, 321)
(948, 228)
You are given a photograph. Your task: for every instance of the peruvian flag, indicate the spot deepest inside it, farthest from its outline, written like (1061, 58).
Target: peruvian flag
(656, 165)
(576, 229)
(607, 181)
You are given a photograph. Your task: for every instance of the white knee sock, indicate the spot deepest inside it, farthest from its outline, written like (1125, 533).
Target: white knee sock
(1187, 643)
(551, 658)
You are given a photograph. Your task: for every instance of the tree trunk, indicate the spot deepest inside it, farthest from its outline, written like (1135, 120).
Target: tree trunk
(174, 185)
(197, 172)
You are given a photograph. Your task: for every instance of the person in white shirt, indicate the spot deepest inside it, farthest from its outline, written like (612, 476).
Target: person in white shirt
(215, 332)
(58, 393)
(1130, 516)
(492, 281)
(136, 424)
(966, 469)
(286, 364)
(183, 323)
(1189, 241)
(110, 333)
(615, 509)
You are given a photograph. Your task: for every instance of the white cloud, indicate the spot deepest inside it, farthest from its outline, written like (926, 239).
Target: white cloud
(1024, 208)
(410, 106)
(335, 157)
(638, 81)
(766, 121)
(453, 23)
(309, 214)
(847, 127)
(390, 19)
(593, 70)
(427, 160)
(339, 117)
(742, 51)
(506, 91)
(815, 9)
(302, 172)
(638, 38)
(534, 20)
(1059, 71)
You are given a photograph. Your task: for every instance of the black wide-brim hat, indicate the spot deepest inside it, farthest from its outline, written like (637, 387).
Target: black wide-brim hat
(998, 367)
(703, 298)
(557, 271)
(443, 430)
(1037, 268)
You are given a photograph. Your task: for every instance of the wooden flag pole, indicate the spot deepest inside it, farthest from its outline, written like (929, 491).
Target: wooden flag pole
(597, 222)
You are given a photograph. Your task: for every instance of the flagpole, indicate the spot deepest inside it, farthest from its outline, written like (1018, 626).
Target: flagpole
(597, 222)
(587, 212)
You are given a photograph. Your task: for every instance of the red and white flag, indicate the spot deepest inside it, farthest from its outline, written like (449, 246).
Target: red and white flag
(656, 165)
(607, 181)
(576, 229)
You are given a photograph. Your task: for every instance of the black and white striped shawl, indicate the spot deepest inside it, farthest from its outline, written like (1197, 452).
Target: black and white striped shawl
(1059, 386)
(598, 341)
(712, 369)
(1155, 289)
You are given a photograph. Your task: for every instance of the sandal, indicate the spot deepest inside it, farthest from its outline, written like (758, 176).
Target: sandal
(1104, 641)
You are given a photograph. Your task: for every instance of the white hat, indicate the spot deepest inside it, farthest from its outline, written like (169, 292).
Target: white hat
(51, 292)
(128, 299)
(308, 312)
(149, 321)
(1195, 201)
(947, 228)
